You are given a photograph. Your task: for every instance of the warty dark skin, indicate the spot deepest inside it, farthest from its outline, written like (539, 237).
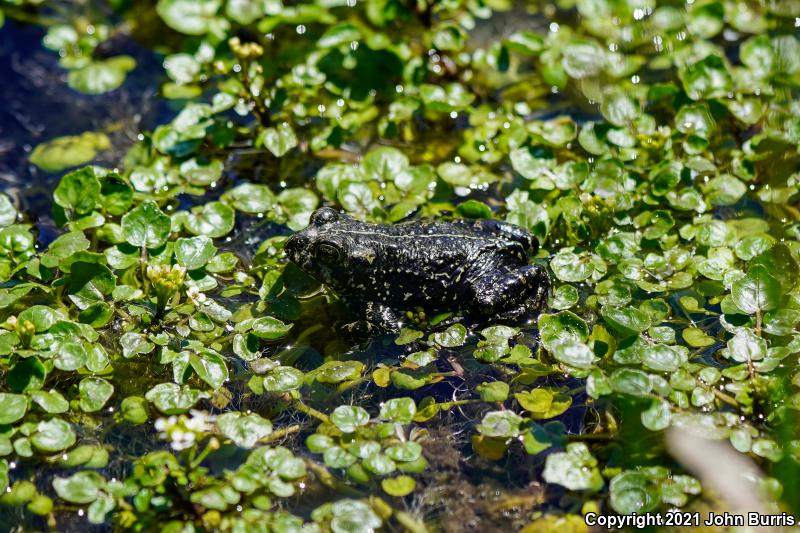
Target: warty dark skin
(478, 268)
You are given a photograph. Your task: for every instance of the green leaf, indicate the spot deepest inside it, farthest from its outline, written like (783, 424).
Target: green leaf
(353, 516)
(283, 379)
(90, 283)
(70, 356)
(20, 493)
(697, 338)
(172, 399)
(244, 429)
(573, 353)
(405, 452)
(767, 448)
(51, 401)
(348, 418)
(619, 108)
(97, 511)
(631, 492)
(525, 42)
(664, 358)
(379, 464)
(401, 410)
(407, 336)
(657, 416)
(575, 469)
(250, 198)
(530, 167)
(495, 391)
(560, 327)
(213, 219)
(65, 152)
(278, 140)
(707, 78)
(630, 381)
(452, 337)
(398, 486)
(41, 316)
(194, 252)
(53, 435)
(343, 33)
(8, 213)
(78, 191)
(134, 410)
(504, 424)
(82, 487)
(543, 403)
(759, 56)
(384, 163)
(101, 76)
(248, 11)
(449, 37)
(146, 226)
(210, 366)
(582, 59)
(135, 344)
(193, 17)
(695, 119)
(757, 291)
(317, 443)
(568, 266)
(202, 174)
(298, 203)
(725, 190)
(336, 457)
(564, 297)
(27, 374)
(182, 68)
(12, 407)
(626, 320)
(94, 393)
(270, 328)
(746, 346)
(780, 263)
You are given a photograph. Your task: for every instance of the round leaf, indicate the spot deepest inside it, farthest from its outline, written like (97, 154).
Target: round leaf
(146, 226)
(12, 407)
(94, 393)
(348, 418)
(53, 435)
(194, 252)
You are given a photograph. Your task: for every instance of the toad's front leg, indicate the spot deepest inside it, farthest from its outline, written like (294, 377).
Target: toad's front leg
(379, 319)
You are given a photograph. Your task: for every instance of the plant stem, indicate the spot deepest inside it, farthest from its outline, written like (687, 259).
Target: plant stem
(410, 523)
(727, 398)
(143, 268)
(279, 434)
(758, 321)
(195, 462)
(303, 408)
(591, 437)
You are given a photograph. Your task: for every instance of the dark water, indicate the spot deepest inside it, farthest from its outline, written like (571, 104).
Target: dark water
(37, 105)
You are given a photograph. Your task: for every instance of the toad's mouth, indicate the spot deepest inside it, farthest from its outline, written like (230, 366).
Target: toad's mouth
(292, 248)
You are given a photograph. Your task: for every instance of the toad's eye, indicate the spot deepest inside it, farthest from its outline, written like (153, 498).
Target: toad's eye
(324, 215)
(327, 252)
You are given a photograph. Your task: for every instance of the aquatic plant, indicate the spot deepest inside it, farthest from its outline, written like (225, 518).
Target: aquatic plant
(164, 366)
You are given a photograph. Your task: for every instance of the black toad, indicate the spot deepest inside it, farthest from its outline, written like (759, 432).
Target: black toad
(477, 267)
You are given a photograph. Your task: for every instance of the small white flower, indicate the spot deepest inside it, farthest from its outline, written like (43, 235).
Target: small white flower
(184, 431)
